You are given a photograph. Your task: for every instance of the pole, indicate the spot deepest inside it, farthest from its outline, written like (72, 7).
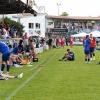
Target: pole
(58, 5)
(3, 17)
(27, 2)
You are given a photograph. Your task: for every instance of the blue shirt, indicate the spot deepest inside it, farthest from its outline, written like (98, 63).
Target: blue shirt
(71, 54)
(87, 44)
(4, 48)
(15, 50)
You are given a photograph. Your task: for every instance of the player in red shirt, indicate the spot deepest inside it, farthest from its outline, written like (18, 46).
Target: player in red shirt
(92, 47)
(62, 42)
(71, 41)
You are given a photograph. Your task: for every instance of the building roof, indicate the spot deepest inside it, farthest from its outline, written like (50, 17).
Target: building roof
(74, 17)
(14, 7)
(21, 15)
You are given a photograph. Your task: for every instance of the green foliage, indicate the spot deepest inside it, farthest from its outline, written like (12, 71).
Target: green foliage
(15, 24)
(0, 36)
(64, 14)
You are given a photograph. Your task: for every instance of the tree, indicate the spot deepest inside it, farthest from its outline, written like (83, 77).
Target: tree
(64, 14)
(13, 24)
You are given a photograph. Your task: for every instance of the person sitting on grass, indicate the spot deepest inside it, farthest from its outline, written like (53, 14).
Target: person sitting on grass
(68, 56)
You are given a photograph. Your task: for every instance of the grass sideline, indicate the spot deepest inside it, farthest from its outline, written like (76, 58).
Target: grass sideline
(56, 80)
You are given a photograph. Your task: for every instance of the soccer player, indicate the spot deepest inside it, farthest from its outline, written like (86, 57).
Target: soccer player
(6, 55)
(68, 56)
(92, 47)
(4, 50)
(71, 41)
(87, 49)
(15, 57)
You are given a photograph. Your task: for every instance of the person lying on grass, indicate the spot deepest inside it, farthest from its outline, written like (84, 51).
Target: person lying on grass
(6, 76)
(68, 56)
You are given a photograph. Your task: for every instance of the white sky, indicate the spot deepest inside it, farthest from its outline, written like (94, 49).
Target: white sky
(72, 7)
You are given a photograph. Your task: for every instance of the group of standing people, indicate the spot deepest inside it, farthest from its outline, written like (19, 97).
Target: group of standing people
(59, 41)
(89, 44)
(55, 42)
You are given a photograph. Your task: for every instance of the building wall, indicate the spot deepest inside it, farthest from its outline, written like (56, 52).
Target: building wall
(31, 19)
(72, 25)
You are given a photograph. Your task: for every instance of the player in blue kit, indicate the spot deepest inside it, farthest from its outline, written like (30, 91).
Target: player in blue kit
(68, 56)
(87, 49)
(4, 50)
(16, 59)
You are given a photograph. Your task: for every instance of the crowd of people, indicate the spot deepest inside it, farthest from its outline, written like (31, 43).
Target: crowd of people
(59, 41)
(89, 44)
(23, 52)
(8, 32)
(16, 55)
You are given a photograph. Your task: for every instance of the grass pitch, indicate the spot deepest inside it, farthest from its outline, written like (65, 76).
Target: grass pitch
(50, 79)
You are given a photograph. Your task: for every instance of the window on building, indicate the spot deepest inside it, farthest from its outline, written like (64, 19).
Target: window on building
(50, 23)
(37, 25)
(31, 25)
(57, 24)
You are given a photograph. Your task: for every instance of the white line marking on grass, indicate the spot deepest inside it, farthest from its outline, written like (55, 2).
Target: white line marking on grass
(44, 62)
(21, 86)
(29, 79)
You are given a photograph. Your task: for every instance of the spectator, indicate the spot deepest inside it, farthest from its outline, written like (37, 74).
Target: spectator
(50, 43)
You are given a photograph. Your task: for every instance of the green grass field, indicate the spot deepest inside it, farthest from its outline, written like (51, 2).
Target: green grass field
(50, 79)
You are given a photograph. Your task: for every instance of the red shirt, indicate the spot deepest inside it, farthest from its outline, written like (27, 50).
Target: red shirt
(71, 40)
(93, 43)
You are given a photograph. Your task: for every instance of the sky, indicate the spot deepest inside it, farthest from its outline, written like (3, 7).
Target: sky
(72, 7)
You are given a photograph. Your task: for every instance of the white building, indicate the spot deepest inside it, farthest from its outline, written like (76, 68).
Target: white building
(33, 25)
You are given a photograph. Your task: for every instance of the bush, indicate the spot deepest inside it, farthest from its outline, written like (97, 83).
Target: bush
(16, 25)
